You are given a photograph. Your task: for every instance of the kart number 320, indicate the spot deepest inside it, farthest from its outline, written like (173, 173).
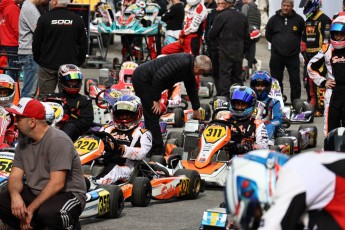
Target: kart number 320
(214, 133)
(84, 146)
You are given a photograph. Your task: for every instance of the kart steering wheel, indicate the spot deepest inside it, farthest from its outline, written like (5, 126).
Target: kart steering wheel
(229, 123)
(105, 135)
(98, 103)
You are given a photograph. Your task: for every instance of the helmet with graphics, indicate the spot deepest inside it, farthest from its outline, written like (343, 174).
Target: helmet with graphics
(310, 7)
(261, 83)
(127, 112)
(251, 184)
(7, 90)
(193, 2)
(338, 29)
(70, 78)
(242, 103)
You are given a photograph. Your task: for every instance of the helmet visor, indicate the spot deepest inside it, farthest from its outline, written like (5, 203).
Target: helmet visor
(73, 76)
(6, 85)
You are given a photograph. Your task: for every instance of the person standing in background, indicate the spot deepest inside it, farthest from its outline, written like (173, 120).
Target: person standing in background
(173, 17)
(9, 17)
(29, 15)
(60, 38)
(284, 31)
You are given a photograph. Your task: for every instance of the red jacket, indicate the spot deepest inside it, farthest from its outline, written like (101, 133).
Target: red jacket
(9, 19)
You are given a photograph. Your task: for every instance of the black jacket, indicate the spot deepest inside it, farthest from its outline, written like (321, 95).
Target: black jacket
(60, 38)
(78, 108)
(231, 27)
(174, 17)
(163, 73)
(285, 33)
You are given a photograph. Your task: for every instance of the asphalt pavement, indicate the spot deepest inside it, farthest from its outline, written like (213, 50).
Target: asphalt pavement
(176, 214)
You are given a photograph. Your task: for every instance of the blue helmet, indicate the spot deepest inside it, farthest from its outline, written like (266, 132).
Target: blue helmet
(264, 78)
(246, 95)
(311, 6)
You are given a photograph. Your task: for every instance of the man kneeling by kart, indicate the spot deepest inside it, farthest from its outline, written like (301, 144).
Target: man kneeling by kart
(253, 132)
(261, 83)
(133, 142)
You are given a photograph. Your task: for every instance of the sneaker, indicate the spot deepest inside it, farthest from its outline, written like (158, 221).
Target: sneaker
(258, 65)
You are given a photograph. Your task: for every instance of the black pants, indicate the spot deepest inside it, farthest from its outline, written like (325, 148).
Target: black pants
(250, 54)
(143, 91)
(336, 112)
(292, 64)
(230, 72)
(62, 211)
(215, 69)
(71, 130)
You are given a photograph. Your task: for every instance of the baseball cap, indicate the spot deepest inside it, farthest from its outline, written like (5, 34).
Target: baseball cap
(28, 107)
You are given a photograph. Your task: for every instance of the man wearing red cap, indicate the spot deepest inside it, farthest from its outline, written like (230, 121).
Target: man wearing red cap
(54, 193)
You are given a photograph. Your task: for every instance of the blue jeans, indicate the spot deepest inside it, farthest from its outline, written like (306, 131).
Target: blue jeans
(30, 81)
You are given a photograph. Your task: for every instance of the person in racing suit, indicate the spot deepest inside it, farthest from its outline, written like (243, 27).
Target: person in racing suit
(78, 111)
(172, 98)
(272, 114)
(316, 33)
(191, 34)
(253, 132)
(133, 142)
(332, 56)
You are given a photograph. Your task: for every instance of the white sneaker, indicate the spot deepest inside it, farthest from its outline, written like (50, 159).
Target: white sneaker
(258, 65)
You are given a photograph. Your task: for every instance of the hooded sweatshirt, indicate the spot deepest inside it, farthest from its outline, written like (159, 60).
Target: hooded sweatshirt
(9, 17)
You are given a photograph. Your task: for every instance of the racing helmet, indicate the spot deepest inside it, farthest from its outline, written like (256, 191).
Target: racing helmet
(193, 2)
(335, 140)
(68, 73)
(310, 7)
(261, 78)
(251, 184)
(6, 83)
(50, 115)
(127, 112)
(245, 96)
(338, 25)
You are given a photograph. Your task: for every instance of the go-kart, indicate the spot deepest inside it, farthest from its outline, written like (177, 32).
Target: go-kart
(6, 159)
(299, 112)
(212, 159)
(148, 179)
(206, 89)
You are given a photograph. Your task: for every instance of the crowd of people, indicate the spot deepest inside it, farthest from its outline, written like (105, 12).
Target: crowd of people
(52, 44)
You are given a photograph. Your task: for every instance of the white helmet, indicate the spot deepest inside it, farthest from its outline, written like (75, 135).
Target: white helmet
(338, 25)
(193, 2)
(6, 82)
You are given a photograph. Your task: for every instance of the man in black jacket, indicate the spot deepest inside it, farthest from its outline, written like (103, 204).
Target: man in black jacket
(231, 28)
(60, 38)
(284, 31)
(152, 78)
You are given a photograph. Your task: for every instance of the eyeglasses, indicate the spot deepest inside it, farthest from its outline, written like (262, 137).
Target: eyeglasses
(220, 3)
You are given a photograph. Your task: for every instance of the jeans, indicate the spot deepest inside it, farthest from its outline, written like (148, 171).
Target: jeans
(30, 81)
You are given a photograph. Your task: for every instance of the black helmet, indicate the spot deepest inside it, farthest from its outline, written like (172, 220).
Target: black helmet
(335, 140)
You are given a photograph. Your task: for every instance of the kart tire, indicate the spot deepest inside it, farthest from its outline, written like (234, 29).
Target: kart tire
(308, 107)
(285, 141)
(86, 86)
(142, 192)
(116, 200)
(298, 105)
(158, 159)
(210, 87)
(179, 121)
(177, 151)
(194, 184)
(178, 136)
(312, 143)
(274, 148)
(286, 123)
(207, 109)
(298, 136)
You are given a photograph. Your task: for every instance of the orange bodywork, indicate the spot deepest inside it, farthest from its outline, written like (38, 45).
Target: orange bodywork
(167, 189)
(206, 170)
(127, 190)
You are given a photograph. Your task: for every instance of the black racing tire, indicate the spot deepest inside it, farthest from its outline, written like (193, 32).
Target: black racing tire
(209, 86)
(298, 105)
(159, 159)
(194, 184)
(298, 136)
(116, 200)
(286, 123)
(207, 109)
(177, 136)
(308, 107)
(285, 141)
(142, 192)
(312, 143)
(274, 148)
(177, 151)
(179, 121)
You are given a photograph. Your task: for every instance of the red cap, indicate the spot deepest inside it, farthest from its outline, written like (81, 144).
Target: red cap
(28, 107)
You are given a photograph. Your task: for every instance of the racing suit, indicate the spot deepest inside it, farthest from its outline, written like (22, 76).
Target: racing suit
(253, 135)
(135, 144)
(172, 97)
(309, 182)
(316, 33)
(272, 115)
(191, 34)
(333, 59)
